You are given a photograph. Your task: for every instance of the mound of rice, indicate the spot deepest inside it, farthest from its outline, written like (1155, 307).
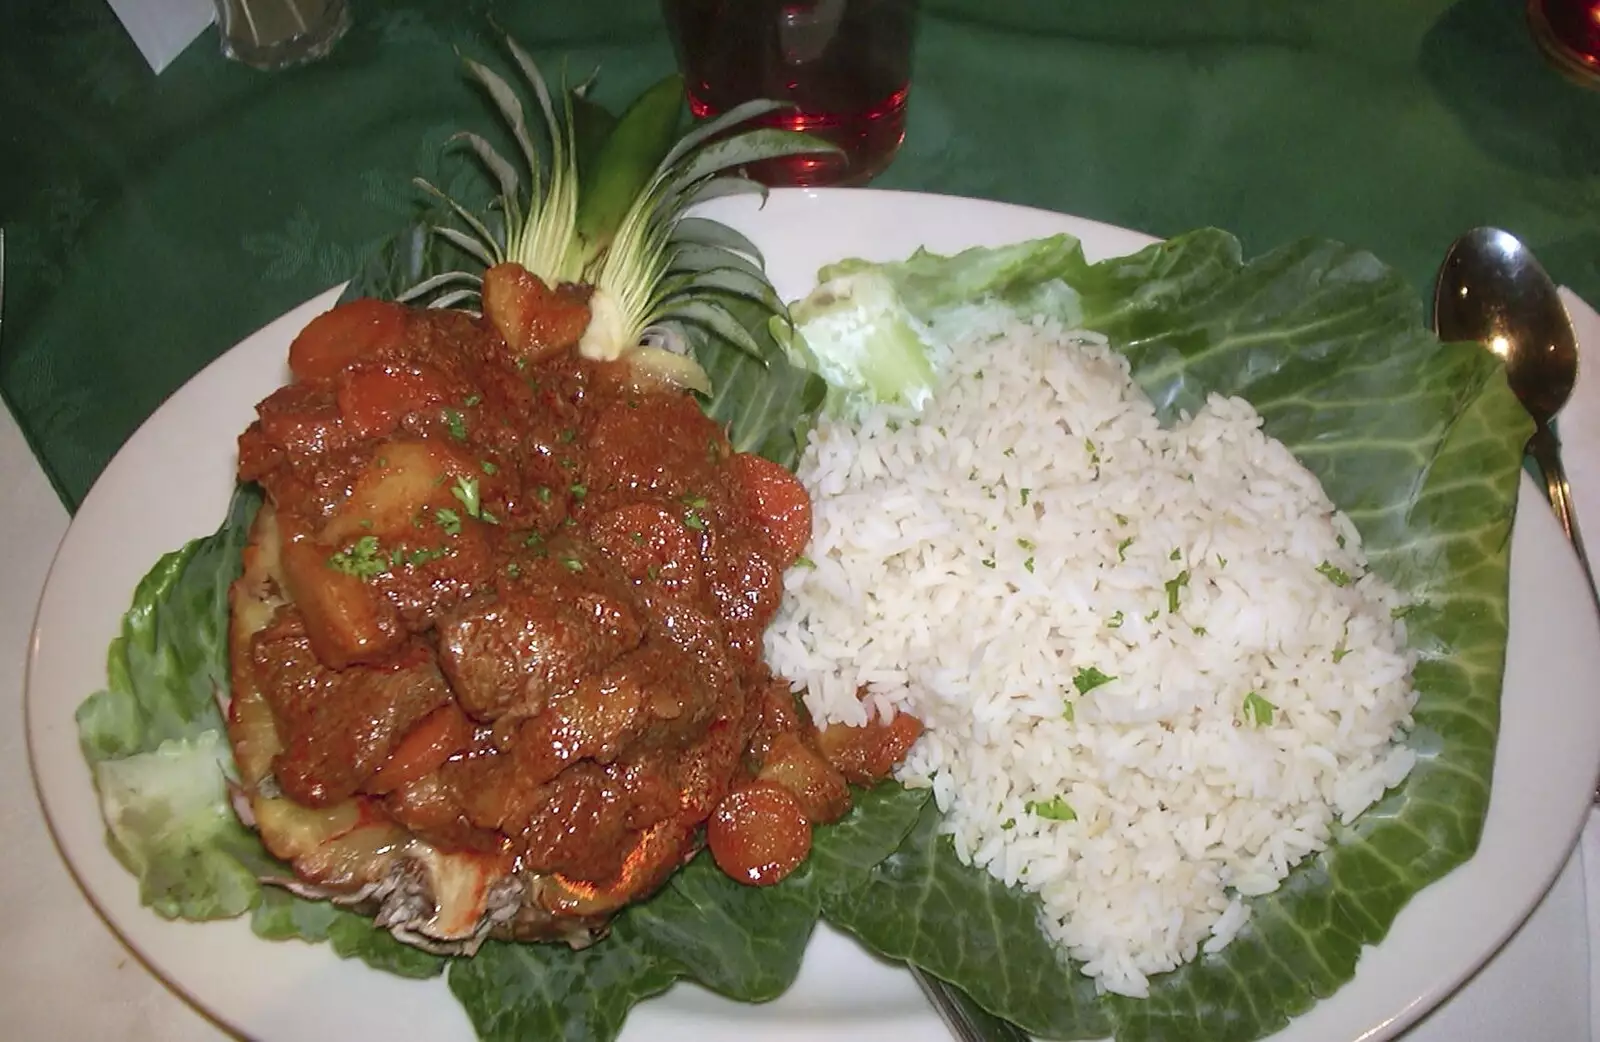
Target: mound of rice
(1151, 663)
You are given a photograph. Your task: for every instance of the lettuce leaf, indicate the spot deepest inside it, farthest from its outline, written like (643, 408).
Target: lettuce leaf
(281, 916)
(157, 744)
(1421, 444)
(155, 737)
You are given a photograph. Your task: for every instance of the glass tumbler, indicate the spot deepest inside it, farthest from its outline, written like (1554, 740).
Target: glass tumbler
(274, 34)
(845, 64)
(1569, 33)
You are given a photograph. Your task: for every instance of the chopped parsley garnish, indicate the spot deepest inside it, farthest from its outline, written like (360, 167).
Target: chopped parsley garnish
(424, 555)
(569, 436)
(1337, 576)
(448, 520)
(466, 490)
(544, 494)
(360, 559)
(514, 570)
(1009, 453)
(1173, 586)
(366, 523)
(1152, 616)
(1008, 824)
(1176, 555)
(698, 502)
(1053, 809)
(489, 468)
(1089, 679)
(1222, 562)
(1340, 541)
(1402, 611)
(694, 521)
(1115, 622)
(472, 399)
(532, 539)
(1067, 712)
(1028, 564)
(1198, 631)
(804, 562)
(1257, 710)
(637, 538)
(578, 491)
(1339, 653)
(457, 424)
(987, 562)
(1094, 454)
(1026, 544)
(572, 564)
(1122, 519)
(1122, 548)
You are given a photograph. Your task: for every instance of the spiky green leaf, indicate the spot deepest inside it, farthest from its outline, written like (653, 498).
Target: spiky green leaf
(510, 106)
(750, 147)
(504, 174)
(699, 231)
(717, 319)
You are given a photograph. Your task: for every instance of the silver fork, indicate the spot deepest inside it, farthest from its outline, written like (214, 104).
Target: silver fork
(966, 1020)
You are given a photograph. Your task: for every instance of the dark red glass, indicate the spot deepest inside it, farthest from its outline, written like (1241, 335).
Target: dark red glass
(1569, 32)
(846, 64)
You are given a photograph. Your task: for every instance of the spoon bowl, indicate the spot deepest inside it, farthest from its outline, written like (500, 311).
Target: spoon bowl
(1492, 290)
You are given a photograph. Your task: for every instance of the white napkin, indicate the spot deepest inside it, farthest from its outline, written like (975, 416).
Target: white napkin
(163, 28)
(1579, 427)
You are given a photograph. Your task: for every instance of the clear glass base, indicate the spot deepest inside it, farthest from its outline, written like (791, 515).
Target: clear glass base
(274, 34)
(1567, 30)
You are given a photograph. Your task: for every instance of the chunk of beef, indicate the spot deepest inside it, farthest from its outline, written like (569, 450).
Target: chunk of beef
(337, 726)
(513, 652)
(579, 826)
(660, 444)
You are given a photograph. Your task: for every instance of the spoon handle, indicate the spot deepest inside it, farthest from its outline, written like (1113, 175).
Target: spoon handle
(967, 1021)
(1546, 452)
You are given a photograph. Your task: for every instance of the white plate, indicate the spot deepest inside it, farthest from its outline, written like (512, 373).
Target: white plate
(171, 483)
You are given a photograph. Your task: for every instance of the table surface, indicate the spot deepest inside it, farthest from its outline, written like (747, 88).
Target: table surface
(133, 204)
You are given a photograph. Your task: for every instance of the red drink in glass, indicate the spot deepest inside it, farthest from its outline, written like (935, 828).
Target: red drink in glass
(1569, 32)
(845, 64)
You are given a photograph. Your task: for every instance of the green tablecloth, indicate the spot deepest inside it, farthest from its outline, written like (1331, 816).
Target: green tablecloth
(153, 221)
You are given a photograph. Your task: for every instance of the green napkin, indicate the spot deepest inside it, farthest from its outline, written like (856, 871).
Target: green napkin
(152, 222)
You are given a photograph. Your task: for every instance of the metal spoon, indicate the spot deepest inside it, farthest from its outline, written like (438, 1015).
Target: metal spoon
(1491, 289)
(967, 1021)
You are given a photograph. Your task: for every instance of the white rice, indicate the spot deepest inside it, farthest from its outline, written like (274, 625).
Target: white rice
(970, 560)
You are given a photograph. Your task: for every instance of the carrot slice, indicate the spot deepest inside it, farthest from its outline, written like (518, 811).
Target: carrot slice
(775, 501)
(424, 749)
(374, 399)
(348, 332)
(759, 834)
